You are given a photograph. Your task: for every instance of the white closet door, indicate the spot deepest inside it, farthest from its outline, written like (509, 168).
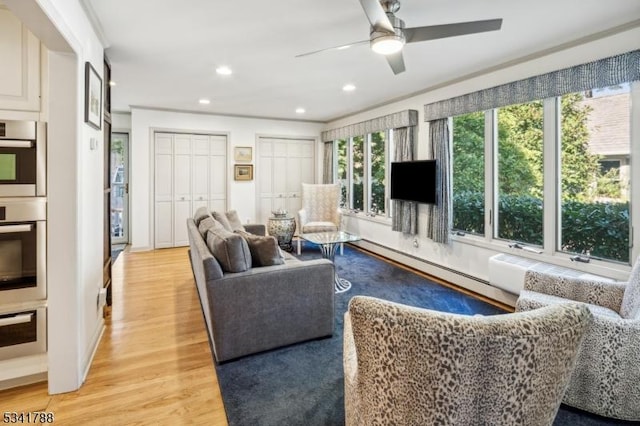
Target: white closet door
(182, 189)
(163, 190)
(264, 179)
(284, 164)
(190, 172)
(218, 173)
(200, 175)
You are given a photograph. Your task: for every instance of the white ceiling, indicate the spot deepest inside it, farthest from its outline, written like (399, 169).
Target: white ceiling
(164, 53)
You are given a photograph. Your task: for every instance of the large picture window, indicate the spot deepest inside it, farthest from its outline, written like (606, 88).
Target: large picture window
(468, 172)
(361, 169)
(595, 180)
(584, 139)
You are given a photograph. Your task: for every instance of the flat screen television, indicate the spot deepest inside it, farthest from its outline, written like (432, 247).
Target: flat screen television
(414, 181)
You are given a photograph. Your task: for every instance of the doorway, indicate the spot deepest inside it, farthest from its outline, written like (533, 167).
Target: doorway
(119, 189)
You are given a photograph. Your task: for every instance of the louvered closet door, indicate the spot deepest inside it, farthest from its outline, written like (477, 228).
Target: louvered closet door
(190, 172)
(284, 164)
(218, 173)
(163, 185)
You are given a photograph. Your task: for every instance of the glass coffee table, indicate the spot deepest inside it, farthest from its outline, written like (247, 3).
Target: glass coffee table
(328, 242)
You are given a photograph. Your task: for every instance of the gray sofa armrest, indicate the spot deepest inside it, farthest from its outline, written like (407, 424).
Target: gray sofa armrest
(256, 229)
(272, 306)
(601, 293)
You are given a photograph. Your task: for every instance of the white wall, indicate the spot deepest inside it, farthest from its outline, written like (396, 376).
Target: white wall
(75, 205)
(241, 131)
(121, 121)
(461, 255)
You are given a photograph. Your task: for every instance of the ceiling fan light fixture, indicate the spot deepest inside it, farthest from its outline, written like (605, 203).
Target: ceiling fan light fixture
(387, 44)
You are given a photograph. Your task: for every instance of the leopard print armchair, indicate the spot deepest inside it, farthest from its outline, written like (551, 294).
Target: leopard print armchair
(411, 366)
(606, 380)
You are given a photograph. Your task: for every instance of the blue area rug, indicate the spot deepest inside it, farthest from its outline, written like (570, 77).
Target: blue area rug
(302, 384)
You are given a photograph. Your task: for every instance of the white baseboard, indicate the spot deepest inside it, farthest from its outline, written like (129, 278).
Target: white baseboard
(459, 279)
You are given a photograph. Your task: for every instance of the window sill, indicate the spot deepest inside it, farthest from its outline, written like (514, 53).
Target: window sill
(596, 266)
(361, 215)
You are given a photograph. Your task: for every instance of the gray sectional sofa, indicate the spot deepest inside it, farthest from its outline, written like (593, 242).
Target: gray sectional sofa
(262, 307)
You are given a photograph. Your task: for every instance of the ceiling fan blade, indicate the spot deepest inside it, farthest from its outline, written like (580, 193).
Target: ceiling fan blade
(376, 15)
(433, 32)
(341, 47)
(396, 62)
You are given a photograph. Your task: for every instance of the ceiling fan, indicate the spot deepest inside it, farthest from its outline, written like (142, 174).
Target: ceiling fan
(388, 34)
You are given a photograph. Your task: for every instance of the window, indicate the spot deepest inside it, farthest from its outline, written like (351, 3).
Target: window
(377, 172)
(595, 143)
(520, 174)
(361, 170)
(468, 173)
(342, 167)
(357, 177)
(586, 137)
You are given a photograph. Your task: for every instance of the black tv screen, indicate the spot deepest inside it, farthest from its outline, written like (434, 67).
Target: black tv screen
(414, 181)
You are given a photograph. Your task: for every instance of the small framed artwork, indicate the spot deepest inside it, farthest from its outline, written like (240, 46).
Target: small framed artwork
(92, 97)
(243, 172)
(243, 154)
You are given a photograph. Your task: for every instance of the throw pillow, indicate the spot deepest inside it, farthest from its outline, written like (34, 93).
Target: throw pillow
(200, 214)
(229, 249)
(222, 218)
(234, 221)
(264, 249)
(206, 224)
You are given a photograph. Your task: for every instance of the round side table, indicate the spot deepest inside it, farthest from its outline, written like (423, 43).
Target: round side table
(282, 227)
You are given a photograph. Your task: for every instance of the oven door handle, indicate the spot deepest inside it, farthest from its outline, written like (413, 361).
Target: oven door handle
(16, 319)
(10, 229)
(10, 143)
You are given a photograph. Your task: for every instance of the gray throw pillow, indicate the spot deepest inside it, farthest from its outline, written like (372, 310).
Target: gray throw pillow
(264, 249)
(208, 223)
(200, 214)
(234, 221)
(222, 218)
(229, 249)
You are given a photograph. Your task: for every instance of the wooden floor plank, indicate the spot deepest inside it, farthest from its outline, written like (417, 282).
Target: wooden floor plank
(153, 365)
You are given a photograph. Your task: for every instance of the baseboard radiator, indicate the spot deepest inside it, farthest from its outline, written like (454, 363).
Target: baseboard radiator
(507, 271)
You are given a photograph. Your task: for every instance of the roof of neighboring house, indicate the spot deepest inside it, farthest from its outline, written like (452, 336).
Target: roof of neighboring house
(610, 124)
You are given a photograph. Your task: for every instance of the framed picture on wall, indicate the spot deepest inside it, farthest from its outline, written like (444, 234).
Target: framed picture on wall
(243, 154)
(92, 97)
(243, 172)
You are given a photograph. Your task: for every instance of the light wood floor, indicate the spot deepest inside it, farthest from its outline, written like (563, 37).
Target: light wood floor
(153, 365)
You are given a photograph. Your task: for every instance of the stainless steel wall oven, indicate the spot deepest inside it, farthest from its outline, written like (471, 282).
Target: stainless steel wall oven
(23, 152)
(22, 250)
(23, 332)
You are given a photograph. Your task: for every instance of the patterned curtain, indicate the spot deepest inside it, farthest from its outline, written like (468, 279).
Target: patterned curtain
(440, 217)
(327, 163)
(405, 213)
(601, 73)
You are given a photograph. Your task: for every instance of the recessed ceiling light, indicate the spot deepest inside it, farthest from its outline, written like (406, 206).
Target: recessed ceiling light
(224, 70)
(348, 87)
(204, 101)
(344, 47)
(112, 83)
(300, 111)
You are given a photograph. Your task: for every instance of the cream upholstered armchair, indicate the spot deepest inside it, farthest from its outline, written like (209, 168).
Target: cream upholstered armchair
(606, 380)
(412, 366)
(320, 209)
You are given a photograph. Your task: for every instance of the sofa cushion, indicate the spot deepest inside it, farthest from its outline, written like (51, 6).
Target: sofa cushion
(208, 223)
(230, 250)
(264, 249)
(200, 214)
(234, 221)
(222, 218)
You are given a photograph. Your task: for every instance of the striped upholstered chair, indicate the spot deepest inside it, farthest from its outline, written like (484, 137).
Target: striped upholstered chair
(412, 366)
(606, 380)
(320, 210)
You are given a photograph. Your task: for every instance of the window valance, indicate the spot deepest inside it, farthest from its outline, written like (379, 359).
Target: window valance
(601, 73)
(392, 121)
